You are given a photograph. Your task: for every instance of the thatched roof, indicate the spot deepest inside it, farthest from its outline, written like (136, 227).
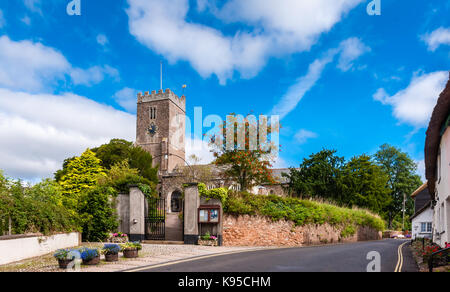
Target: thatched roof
(439, 117)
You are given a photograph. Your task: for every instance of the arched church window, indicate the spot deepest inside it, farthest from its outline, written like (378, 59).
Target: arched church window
(176, 202)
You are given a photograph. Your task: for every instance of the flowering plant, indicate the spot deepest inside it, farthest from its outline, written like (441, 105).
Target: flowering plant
(118, 237)
(88, 254)
(429, 250)
(208, 236)
(111, 249)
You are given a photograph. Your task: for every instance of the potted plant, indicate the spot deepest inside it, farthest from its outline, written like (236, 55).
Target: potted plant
(66, 256)
(131, 249)
(111, 252)
(90, 256)
(208, 239)
(118, 237)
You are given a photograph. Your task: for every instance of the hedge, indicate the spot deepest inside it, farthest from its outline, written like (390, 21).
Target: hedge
(301, 212)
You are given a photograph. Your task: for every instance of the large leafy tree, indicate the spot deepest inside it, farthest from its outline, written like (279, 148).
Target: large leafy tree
(364, 184)
(118, 150)
(319, 175)
(403, 180)
(81, 174)
(248, 166)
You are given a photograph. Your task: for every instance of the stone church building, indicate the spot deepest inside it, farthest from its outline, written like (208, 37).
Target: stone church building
(160, 130)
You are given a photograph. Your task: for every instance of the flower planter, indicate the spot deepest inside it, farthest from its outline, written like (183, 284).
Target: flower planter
(64, 263)
(208, 242)
(92, 262)
(130, 254)
(114, 257)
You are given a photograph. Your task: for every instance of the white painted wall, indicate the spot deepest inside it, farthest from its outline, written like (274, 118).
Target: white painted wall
(13, 250)
(425, 216)
(441, 216)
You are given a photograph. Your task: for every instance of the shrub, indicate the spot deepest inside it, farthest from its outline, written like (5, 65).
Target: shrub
(218, 193)
(98, 217)
(131, 246)
(36, 209)
(301, 212)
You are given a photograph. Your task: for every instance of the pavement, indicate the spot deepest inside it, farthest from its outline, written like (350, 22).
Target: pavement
(154, 254)
(394, 256)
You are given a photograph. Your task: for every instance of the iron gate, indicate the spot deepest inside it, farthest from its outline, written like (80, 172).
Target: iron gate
(155, 223)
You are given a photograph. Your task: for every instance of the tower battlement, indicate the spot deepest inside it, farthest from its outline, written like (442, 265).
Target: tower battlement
(162, 95)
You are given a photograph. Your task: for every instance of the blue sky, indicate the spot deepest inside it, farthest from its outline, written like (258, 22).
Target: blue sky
(338, 77)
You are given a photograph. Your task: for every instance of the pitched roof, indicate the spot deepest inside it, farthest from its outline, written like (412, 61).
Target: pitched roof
(438, 118)
(427, 205)
(420, 189)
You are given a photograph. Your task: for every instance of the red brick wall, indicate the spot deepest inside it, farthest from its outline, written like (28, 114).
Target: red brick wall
(261, 231)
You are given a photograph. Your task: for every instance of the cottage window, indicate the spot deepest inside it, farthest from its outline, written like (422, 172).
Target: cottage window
(423, 227)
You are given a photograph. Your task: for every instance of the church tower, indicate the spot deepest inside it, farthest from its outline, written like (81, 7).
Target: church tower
(161, 120)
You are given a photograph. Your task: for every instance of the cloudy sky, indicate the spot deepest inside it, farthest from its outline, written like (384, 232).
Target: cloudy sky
(337, 77)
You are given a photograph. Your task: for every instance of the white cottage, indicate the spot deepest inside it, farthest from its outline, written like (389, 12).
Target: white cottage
(437, 163)
(422, 220)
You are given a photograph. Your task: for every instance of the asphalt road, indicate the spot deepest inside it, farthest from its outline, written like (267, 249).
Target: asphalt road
(331, 258)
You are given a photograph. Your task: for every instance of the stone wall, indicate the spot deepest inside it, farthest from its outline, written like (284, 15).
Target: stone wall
(262, 231)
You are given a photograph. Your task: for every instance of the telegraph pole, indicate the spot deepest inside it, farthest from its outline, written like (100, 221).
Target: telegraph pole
(404, 210)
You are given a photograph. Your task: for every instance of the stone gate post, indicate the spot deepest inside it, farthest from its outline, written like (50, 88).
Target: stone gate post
(191, 204)
(137, 214)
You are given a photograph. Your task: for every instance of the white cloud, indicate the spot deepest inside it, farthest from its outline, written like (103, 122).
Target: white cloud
(421, 169)
(41, 130)
(25, 65)
(126, 98)
(349, 50)
(26, 19)
(302, 136)
(277, 28)
(296, 92)
(93, 75)
(102, 39)
(414, 104)
(2, 19)
(199, 148)
(33, 6)
(438, 37)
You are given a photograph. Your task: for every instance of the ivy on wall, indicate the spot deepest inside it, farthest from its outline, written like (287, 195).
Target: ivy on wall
(219, 193)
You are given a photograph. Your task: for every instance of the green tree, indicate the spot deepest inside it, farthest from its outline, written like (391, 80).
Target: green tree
(81, 174)
(318, 176)
(364, 184)
(98, 217)
(247, 166)
(403, 180)
(121, 176)
(118, 150)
